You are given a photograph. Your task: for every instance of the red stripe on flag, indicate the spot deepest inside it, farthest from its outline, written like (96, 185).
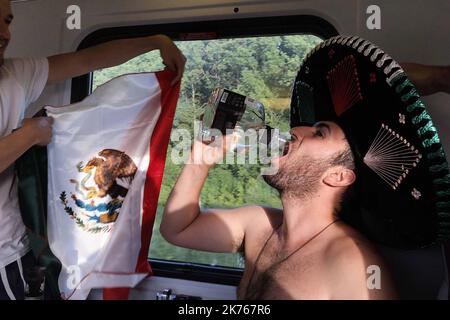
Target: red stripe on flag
(116, 293)
(158, 149)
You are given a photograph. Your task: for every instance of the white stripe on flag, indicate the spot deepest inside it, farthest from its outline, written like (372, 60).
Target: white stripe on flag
(98, 161)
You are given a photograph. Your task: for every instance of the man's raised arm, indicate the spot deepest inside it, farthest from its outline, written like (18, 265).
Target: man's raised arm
(113, 53)
(186, 225)
(428, 79)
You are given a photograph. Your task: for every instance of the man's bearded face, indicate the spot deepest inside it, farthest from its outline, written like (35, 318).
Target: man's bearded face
(300, 177)
(311, 152)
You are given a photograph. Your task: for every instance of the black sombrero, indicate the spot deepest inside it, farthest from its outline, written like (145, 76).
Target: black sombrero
(403, 181)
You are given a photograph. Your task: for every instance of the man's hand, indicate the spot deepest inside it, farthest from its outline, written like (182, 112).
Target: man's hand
(210, 154)
(172, 57)
(40, 129)
(36, 131)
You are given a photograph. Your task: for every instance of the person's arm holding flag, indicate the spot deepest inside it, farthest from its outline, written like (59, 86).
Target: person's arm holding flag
(113, 53)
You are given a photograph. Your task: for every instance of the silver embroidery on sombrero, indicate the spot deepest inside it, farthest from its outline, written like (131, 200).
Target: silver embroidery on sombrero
(363, 46)
(391, 156)
(375, 54)
(369, 49)
(416, 194)
(344, 85)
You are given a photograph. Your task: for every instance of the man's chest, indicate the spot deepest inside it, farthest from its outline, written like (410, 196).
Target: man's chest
(275, 273)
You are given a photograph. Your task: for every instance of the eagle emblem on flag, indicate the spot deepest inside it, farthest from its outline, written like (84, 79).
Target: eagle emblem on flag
(99, 195)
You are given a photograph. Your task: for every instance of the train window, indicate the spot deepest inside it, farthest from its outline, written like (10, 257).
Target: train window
(260, 67)
(257, 57)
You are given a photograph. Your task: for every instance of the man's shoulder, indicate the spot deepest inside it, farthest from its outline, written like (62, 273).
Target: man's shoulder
(269, 216)
(260, 212)
(26, 74)
(11, 63)
(351, 260)
(349, 245)
(260, 222)
(22, 62)
(16, 68)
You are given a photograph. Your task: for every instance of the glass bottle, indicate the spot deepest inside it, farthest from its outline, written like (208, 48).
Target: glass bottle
(227, 110)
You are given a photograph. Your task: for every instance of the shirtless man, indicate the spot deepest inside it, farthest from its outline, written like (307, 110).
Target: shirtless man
(301, 252)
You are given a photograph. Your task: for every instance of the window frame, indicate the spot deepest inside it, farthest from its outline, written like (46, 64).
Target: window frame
(211, 30)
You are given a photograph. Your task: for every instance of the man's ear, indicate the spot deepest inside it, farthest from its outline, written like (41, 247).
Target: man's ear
(339, 177)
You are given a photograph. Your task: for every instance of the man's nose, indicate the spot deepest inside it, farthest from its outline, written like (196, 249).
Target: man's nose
(302, 131)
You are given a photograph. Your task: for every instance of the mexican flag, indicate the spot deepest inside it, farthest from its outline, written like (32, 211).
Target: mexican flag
(105, 167)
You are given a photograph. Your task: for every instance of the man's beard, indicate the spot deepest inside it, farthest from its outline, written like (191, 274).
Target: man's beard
(299, 179)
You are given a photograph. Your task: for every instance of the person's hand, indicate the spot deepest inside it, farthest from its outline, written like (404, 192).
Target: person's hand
(172, 57)
(210, 154)
(40, 129)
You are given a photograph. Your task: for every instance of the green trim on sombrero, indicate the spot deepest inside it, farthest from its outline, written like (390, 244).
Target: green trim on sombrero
(379, 97)
(425, 127)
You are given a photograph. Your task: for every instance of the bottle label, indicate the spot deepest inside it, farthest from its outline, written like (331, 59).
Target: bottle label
(224, 97)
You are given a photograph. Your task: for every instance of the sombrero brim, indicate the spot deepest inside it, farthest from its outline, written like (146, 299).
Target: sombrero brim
(403, 181)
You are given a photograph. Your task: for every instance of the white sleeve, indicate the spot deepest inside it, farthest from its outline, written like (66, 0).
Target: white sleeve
(32, 75)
